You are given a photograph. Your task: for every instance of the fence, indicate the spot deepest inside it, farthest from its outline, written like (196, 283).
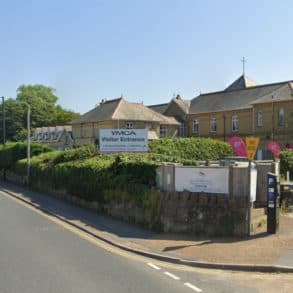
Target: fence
(232, 180)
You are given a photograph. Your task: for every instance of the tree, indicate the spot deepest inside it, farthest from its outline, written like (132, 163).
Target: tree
(42, 102)
(14, 113)
(44, 111)
(64, 116)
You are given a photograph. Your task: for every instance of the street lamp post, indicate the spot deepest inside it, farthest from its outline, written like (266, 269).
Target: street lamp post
(28, 144)
(3, 121)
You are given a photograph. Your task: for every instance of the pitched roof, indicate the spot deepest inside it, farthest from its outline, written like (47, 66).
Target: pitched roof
(160, 108)
(242, 82)
(166, 109)
(233, 99)
(183, 105)
(120, 109)
(283, 93)
(102, 112)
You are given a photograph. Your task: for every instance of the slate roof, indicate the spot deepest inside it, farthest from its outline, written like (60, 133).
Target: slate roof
(164, 108)
(182, 104)
(238, 99)
(160, 108)
(283, 93)
(120, 109)
(242, 82)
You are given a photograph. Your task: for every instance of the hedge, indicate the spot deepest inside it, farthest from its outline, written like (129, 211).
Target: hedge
(86, 173)
(191, 148)
(10, 153)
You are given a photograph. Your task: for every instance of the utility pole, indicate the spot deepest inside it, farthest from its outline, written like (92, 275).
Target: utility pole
(3, 121)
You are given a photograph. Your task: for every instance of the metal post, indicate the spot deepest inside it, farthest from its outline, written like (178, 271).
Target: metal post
(248, 199)
(28, 143)
(3, 121)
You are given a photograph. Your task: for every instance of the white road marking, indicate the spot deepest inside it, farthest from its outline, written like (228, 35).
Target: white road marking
(171, 276)
(192, 287)
(154, 266)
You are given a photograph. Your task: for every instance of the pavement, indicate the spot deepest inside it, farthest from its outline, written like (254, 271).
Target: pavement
(260, 252)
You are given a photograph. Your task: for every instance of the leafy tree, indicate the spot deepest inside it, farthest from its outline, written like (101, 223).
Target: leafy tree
(42, 103)
(44, 111)
(64, 116)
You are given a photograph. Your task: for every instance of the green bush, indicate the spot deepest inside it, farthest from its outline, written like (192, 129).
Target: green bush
(286, 162)
(122, 177)
(191, 148)
(12, 152)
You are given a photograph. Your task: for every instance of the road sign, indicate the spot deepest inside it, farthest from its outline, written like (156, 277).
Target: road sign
(251, 146)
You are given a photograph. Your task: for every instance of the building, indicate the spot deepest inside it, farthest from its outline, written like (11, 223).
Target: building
(245, 109)
(57, 137)
(177, 108)
(119, 113)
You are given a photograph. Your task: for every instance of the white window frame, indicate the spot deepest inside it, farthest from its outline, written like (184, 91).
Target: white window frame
(259, 119)
(129, 125)
(281, 116)
(182, 130)
(163, 131)
(234, 123)
(213, 125)
(195, 126)
(149, 126)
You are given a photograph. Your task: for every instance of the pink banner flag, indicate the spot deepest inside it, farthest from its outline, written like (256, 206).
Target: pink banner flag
(238, 146)
(274, 148)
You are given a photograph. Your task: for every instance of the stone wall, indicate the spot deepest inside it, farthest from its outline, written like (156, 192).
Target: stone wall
(176, 212)
(203, 214)
(197, 214)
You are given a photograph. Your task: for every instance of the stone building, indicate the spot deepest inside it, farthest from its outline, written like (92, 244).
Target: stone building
(121, 114)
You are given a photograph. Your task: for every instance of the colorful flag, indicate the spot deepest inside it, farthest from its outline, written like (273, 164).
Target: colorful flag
(274, 148)
(238, 146)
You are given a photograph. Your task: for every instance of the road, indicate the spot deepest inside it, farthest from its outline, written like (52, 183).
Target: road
(40, 254)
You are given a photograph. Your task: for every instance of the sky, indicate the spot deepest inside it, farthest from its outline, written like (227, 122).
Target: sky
(146, 50)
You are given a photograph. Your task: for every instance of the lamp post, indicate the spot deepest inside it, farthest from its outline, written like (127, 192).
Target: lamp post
(3, 121)
(28, 153)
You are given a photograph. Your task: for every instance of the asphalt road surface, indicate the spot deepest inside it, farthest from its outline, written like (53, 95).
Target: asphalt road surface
(39, 254)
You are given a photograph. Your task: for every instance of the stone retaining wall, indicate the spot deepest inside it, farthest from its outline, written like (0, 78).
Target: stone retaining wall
(177, 212)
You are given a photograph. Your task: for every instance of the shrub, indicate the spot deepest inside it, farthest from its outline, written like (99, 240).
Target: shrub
(12, 152)
(286, 162)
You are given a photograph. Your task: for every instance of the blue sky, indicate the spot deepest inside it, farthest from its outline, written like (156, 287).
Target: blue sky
(146, 50)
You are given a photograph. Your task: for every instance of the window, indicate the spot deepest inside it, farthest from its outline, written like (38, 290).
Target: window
(182, 131)
(149, 126)
(129, 125)
(259, 118)
(213, 125)
(281, 116)
(235, 123)
(163, 131)
(195, 126)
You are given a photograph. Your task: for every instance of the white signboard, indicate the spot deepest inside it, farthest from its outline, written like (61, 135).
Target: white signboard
(253, 183)
(123, 140)
(201, 179)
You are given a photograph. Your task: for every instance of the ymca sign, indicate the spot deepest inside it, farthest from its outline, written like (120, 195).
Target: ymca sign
(123, 140)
